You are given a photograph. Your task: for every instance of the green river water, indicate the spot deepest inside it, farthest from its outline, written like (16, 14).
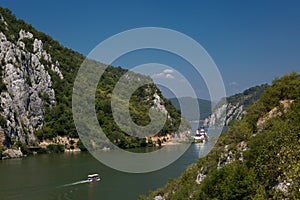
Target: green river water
(63, 176)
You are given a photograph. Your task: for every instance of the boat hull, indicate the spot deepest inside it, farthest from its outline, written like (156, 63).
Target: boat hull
(93, 179)
(200, 140)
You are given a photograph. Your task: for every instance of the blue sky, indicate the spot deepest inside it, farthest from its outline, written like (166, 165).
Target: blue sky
(250, 41)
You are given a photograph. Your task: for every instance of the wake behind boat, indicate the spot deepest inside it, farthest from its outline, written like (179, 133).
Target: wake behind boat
(201, 135)
(90, 178)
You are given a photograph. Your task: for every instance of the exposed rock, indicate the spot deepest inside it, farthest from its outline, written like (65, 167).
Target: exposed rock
(159, 104)
(21, 44)
(228, 156)
(159, 197)
(273, 113)
(282, 186)
(2, 20)
(55, 68)
(223, 114)
(23, 34)
(2, 37)
(242, 146)
(38, 47)
(29, 86)
(200, 178)
(12, 153)
(2, 139)
(233, 107)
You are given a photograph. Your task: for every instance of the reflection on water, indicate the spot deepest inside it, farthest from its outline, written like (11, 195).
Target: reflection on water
(200, 148)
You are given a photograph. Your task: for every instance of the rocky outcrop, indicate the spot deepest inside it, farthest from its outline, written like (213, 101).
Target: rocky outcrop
(12, 153)
(223, 114)
(228, 156)
(2, 20)
(200, 178)
(233, 107)
(158, 104)
(159, 197)
(277, 111)
(283, 187)
(24, 67)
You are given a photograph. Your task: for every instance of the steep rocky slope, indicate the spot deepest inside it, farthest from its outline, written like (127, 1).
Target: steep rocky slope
(234, 107)
(30, 79)
(257, 158)
(28, 86)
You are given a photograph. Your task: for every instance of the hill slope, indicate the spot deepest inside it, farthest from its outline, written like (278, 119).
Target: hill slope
(249, 162)
(36, 84)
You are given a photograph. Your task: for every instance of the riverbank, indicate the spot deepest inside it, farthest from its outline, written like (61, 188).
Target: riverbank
(70, 144)
(58, 144)
(62, 144)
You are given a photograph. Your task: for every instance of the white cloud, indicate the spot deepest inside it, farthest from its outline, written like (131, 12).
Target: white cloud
(168, 71)
(167, 74)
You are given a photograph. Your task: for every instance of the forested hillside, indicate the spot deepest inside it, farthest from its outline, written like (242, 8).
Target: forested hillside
(36, 84)
(257, 158)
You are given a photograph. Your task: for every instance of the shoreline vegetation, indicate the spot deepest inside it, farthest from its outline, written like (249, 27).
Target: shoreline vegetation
(61, 144)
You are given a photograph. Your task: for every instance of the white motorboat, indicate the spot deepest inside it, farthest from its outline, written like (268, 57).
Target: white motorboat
(93, 177)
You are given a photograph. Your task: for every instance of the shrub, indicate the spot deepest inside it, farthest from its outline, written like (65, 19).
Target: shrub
(55, 148)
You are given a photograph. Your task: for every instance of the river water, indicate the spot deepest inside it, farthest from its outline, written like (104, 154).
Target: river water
(63, 176)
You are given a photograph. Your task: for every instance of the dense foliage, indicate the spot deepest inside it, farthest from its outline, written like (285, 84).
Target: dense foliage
(139, 106)
(268, 167)
(58, 118)
(248, 96)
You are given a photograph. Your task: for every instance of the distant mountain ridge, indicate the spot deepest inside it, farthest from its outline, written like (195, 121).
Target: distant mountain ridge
(189, 104)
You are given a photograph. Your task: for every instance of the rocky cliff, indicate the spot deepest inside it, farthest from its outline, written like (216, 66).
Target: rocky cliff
(29, 87)
(233, 107)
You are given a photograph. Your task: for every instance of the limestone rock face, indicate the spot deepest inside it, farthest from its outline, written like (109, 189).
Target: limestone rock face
(24, 66)
(223, 114)
(159, 104)
(12, 153)
(234, 107)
